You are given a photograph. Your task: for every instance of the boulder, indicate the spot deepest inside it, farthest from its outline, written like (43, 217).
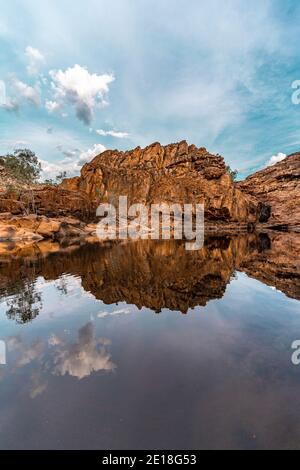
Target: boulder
(14, 233)
(48, 227)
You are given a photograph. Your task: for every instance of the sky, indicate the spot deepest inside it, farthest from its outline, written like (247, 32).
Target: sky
(80, 77)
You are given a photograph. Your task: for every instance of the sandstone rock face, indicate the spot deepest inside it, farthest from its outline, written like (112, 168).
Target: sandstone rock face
(48, 201)
(176, 173)
(279, 187)
(71, 184)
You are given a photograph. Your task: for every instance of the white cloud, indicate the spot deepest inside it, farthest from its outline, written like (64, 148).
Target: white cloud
(52, 106)
(10, 105)
(29, 354)
(30, 94)
(21, 143)
(83, 90)
(124, 311)
(276, 159)
(5, 101)
(73, 161)
(50, 170)
(70, 153)
(116, 134)
(91, 153)
(35, 59)
(54, 340)
(83, 357)
(79, 359)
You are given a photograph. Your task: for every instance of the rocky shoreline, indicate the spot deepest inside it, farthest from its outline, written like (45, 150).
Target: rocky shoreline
(36, 228)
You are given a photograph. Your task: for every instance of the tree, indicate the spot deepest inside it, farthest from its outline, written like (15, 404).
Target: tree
(232, 173)
(26, 303)
(61, 176)
(50, 182)
(23, 165)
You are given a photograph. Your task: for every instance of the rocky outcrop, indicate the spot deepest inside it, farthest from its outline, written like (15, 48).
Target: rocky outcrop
(278, 188)
(71, 184)
(34, 228)
(49, 201)
(176, 173)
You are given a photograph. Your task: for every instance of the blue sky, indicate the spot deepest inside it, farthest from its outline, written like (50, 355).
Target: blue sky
(216, 73)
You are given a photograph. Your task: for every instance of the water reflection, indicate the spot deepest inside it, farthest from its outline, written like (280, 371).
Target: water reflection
(79, 359)
(156, 275)
(86, 373)
(61, 356)
(25, 304)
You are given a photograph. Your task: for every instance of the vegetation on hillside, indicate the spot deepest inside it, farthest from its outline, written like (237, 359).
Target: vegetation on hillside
(22, 170)
(232, 173)
(23, 165)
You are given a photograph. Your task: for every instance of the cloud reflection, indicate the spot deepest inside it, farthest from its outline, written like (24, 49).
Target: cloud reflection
(56, 356)
(88, 354)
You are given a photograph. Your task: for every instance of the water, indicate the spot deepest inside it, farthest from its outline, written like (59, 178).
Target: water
(145, 345)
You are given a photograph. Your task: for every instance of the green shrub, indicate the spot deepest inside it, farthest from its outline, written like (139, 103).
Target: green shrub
(23, 165)
(232, 173)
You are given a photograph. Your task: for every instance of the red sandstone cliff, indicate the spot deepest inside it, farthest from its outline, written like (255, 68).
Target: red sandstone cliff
(176, 173)
(279, 187)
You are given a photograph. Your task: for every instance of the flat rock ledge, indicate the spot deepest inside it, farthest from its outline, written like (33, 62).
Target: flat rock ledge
(37, 228)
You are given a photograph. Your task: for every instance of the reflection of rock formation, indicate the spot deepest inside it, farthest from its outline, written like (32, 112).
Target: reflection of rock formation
(277, 264)
(161, 275)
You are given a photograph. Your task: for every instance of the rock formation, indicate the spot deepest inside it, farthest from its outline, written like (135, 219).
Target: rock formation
(177, 173)
(278, 187)
(49, 201)
(34, 228)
